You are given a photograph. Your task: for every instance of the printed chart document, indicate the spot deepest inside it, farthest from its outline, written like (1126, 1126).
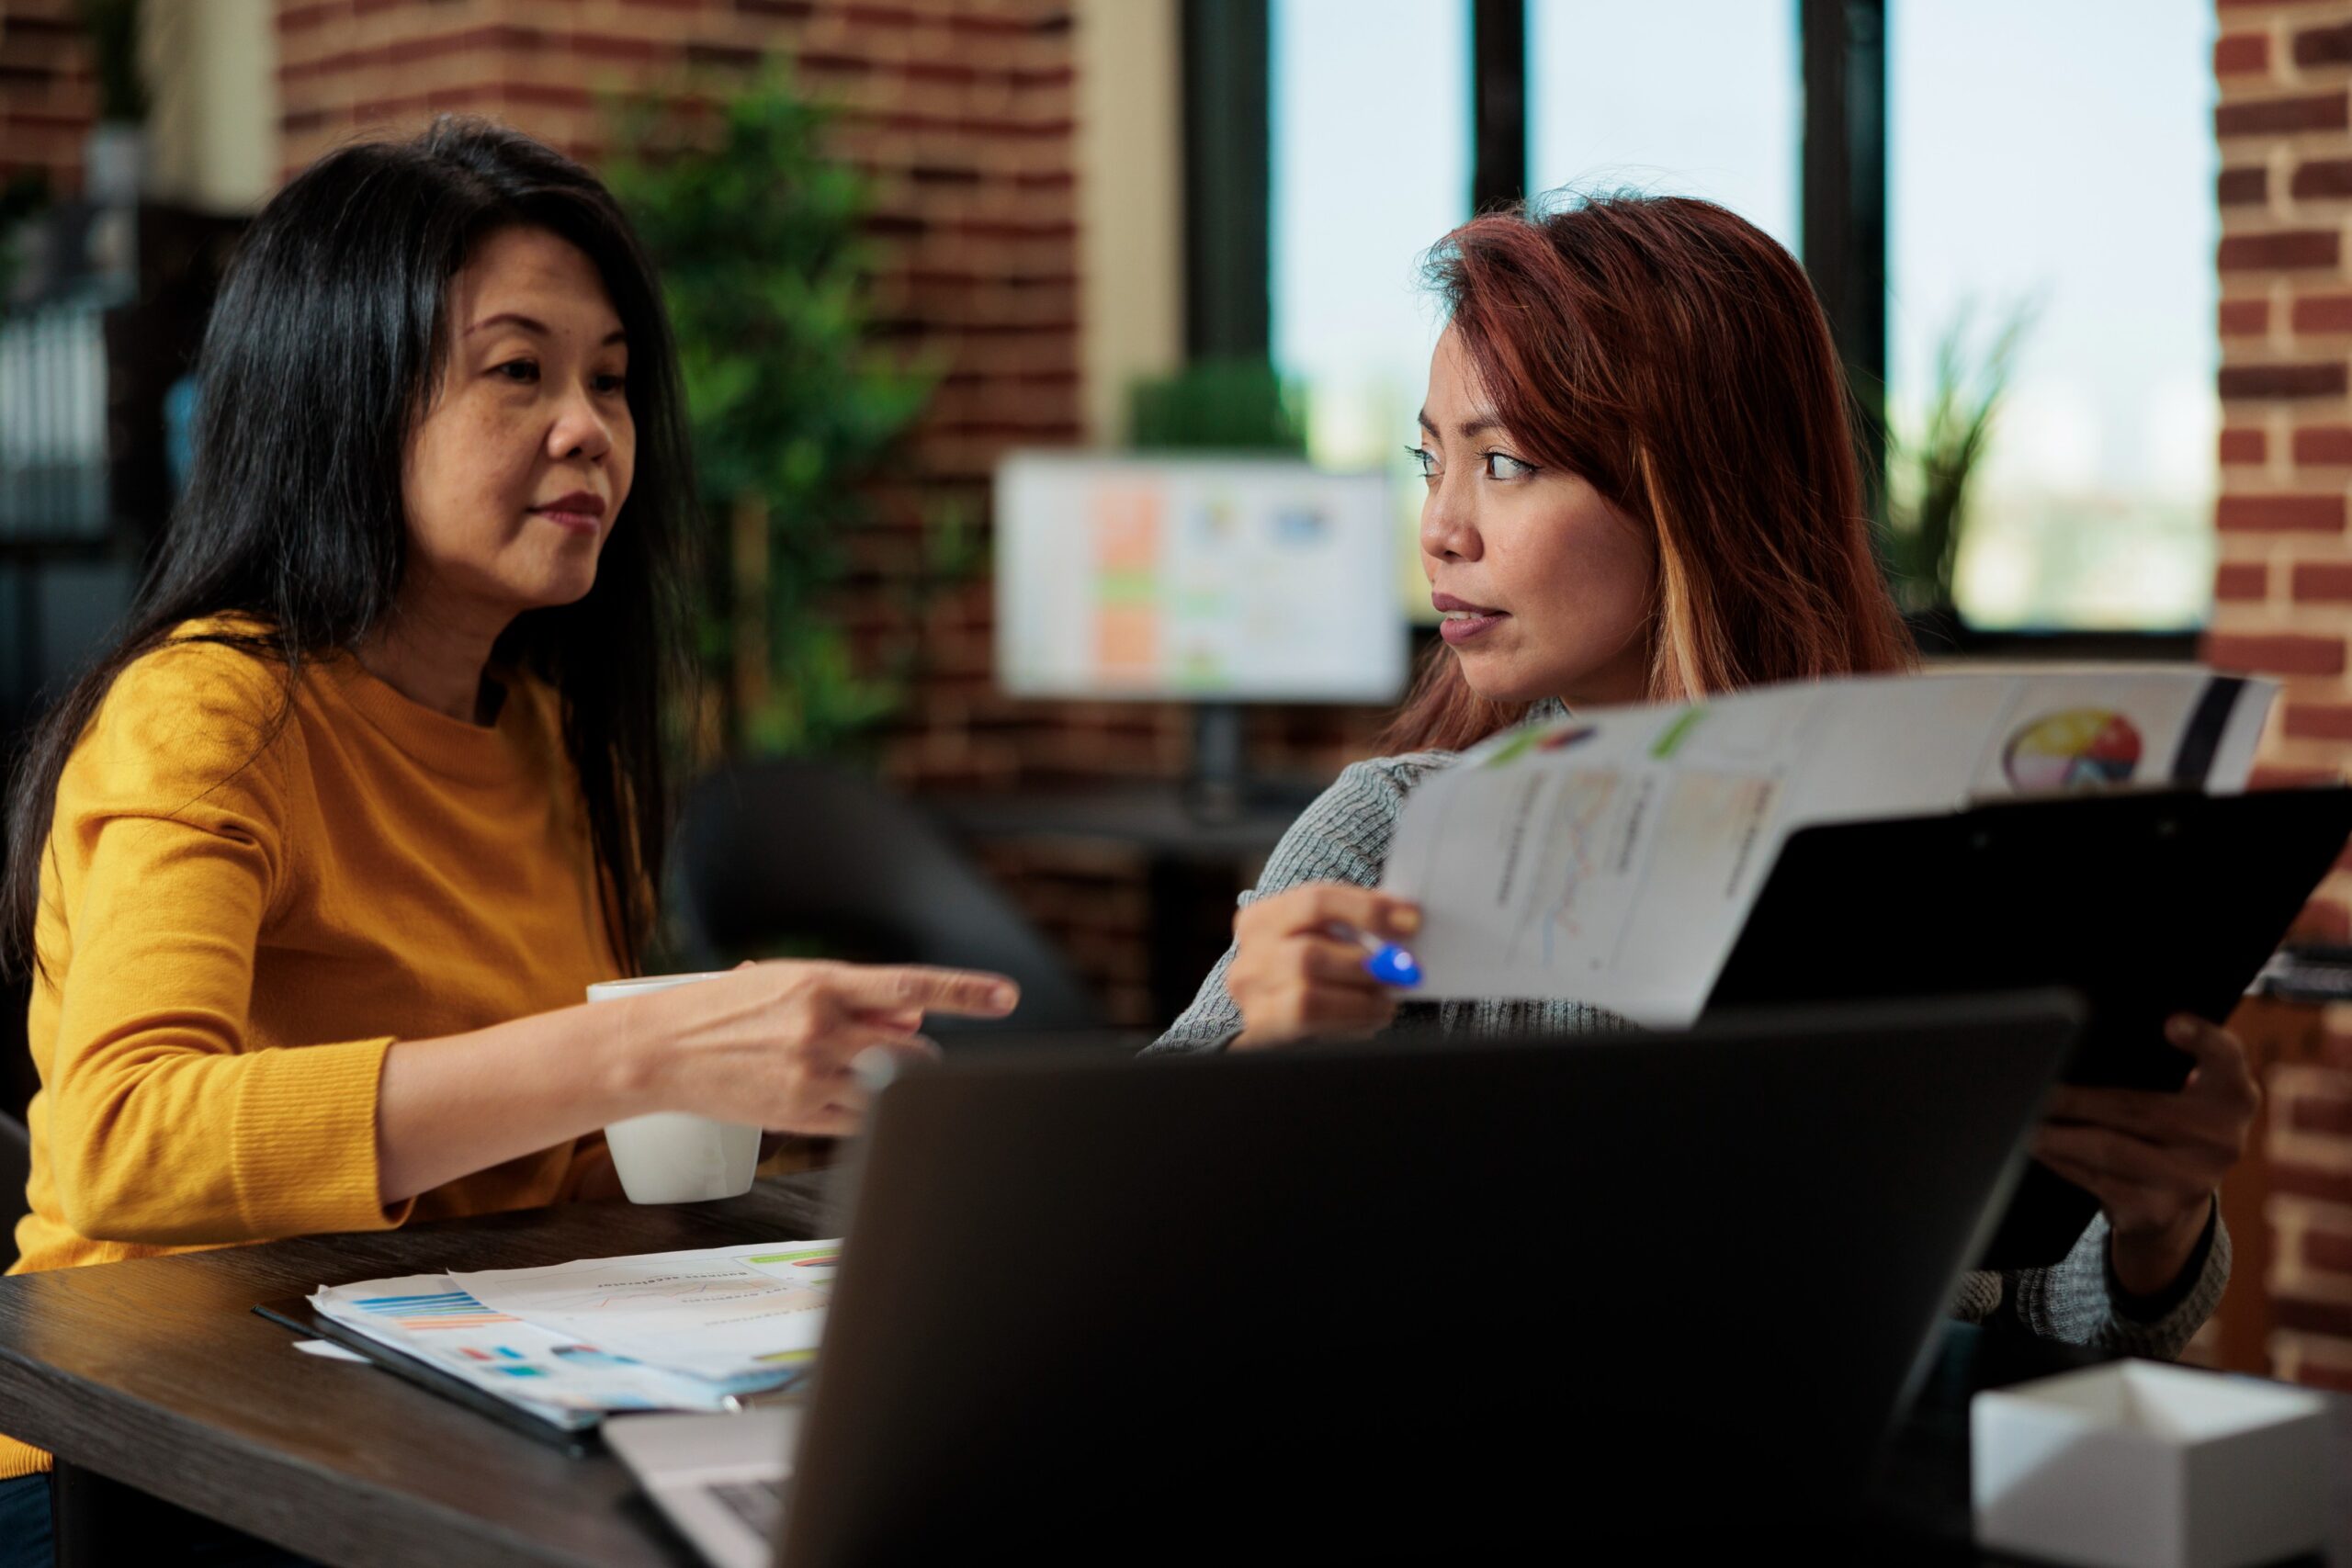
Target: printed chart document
(726, 1313)
(573, 1342)
(1611, 858)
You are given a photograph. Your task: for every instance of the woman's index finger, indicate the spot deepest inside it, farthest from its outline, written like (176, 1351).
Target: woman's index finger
(1365, 908)
(974, 993)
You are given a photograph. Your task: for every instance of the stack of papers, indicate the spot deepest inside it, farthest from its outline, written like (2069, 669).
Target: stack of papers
(1612, 858)
(573, 1342)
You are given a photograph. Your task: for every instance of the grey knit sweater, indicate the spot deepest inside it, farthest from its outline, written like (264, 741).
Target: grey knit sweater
(1344, 837)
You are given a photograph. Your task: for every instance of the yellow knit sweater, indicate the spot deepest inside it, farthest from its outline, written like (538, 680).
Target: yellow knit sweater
(234, 933)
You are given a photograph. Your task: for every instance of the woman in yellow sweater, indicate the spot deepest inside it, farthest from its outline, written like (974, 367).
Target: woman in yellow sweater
(313, 868)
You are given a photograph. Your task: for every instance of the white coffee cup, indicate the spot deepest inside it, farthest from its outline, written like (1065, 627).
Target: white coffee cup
(676, 1157)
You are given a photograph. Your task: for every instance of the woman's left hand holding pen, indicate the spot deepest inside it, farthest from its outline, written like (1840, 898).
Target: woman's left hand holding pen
(1300, 968)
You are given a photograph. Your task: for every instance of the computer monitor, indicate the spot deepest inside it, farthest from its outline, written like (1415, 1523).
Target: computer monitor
(1218, 580)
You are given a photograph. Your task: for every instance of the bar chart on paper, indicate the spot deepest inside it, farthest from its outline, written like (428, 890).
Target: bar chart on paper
(723, 1314)
(555, 1376)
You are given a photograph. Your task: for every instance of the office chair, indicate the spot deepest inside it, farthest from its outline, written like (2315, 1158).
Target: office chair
(16, 1170)
(18, 1083)
(792, 858)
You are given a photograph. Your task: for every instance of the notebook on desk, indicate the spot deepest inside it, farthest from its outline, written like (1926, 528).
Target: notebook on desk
(1453, 1302)
(2145, 904)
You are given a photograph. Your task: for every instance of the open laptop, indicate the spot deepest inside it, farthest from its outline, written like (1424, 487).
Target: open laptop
(1408, 1300)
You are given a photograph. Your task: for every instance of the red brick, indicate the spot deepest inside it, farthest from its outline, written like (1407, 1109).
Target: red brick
(406, 51)
(557, 95)
(2277, 117)
(2322, 582)
(2321, 178)
(2287, 249)
(2335, 1043)
(2242, 188)
(2326, 1375)
(833, 63)
(2242, 582)
(2311, 1181)
(2322, 314)
(2328, 1249)
(882, 16)
(2241, 446)
(2324, 446)
(2240, 54)
(2321, 1113)
(1035, 27)
(2324, 46)
(2320, 721)
(2244, 318)
(2279, 515)
(2321, 381)
(2277, 653)
(728, 56)
(2322, 917)
(2312, 1317)
(610, 46)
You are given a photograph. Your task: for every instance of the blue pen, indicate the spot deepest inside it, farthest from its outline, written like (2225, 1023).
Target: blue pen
(1388, 962)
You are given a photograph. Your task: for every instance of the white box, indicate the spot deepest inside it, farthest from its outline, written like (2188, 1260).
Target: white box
(2141, 1464)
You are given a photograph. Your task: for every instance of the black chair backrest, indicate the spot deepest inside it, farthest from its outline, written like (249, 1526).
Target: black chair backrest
(793, 857)
(16, 1170)
(17, 1080)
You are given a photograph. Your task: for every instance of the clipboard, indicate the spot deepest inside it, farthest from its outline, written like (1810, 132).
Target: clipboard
(2145, 904)
(297, 1314)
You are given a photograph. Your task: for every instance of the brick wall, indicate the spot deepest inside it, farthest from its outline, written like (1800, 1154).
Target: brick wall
(2310, 1211)
(2284, 586)
(47, 96)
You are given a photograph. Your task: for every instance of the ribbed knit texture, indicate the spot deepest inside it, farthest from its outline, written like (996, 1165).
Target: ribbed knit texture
(1344, 837)
(234, 935)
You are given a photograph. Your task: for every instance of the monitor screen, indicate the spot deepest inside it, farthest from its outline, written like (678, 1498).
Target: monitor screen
(1224, 579)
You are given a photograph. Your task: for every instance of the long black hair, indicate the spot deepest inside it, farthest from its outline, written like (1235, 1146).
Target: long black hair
(325, 346)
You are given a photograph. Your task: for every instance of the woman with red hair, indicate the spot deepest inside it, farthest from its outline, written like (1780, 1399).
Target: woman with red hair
(1641, 488)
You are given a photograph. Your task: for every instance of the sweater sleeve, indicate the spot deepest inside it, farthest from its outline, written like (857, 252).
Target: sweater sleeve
(166, 1125)
(2079, 1301)
(1343, 837)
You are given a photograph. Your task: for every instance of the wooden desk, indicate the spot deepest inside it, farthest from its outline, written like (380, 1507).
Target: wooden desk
(157, 1374)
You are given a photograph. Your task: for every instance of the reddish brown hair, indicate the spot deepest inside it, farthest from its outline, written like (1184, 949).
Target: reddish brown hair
(1675, 356)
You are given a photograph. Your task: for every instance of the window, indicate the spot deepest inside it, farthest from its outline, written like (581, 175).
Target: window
(1371, 166)
(2058, 160)
(1699, 97)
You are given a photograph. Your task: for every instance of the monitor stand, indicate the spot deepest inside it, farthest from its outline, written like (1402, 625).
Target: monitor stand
(1220, 788)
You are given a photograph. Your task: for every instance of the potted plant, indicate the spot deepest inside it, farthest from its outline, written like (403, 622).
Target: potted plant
(1218, 405)
(114, 161)
(1933, 466)
(757, 232)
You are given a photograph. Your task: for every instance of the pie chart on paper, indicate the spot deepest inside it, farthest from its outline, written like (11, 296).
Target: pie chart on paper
(2080, 749)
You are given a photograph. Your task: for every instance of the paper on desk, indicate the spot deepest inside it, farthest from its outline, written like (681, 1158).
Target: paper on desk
(328, 1350)
(1611, 858)
(732, 1315)
(555, 1376)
